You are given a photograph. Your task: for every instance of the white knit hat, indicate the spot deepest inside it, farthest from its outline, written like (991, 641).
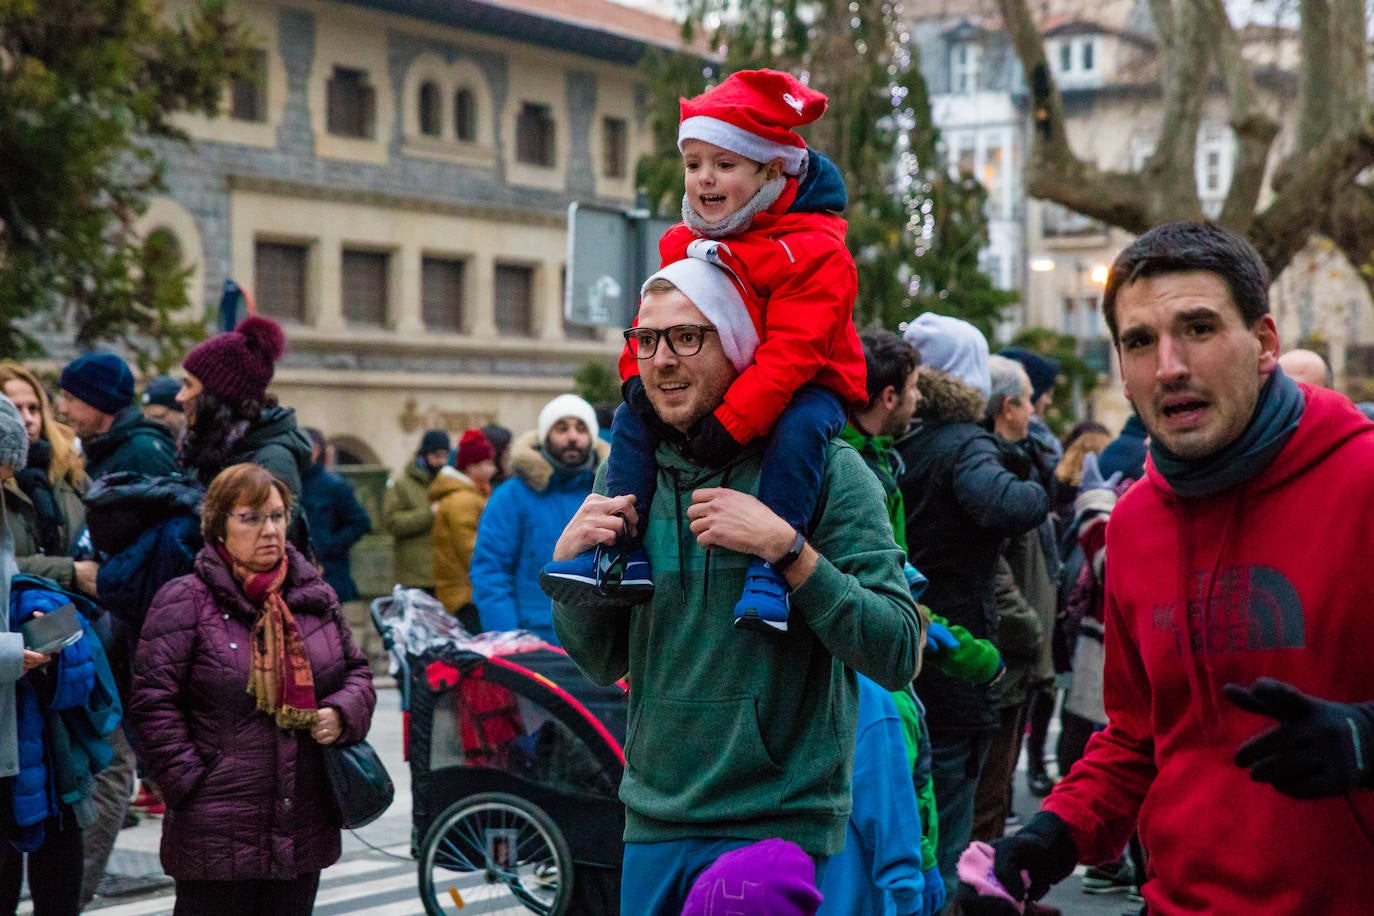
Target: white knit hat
(712, 290)
(567, 405)
(952, 346)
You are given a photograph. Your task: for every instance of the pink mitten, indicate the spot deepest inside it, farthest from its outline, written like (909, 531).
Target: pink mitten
(975, 870)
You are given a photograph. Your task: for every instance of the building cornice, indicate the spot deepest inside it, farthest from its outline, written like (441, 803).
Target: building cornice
(279, 187)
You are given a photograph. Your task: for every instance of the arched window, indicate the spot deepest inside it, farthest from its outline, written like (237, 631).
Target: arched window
(429, 110)
(465, 115)
(164, 275)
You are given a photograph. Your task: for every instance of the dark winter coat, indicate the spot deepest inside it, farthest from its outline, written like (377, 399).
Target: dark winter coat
(23, 519)
(961, 502)
(133, 443)
(337, 521)
(245, 799)
(520, 525)
(407, 517)
(274, 442)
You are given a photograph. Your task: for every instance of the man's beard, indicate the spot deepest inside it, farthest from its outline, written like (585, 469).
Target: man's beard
(573, 456)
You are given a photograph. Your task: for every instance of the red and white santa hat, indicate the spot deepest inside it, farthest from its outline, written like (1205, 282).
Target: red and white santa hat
(754, 113)
(712, 289)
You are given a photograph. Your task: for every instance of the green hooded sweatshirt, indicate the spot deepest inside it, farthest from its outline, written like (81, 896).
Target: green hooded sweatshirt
(737, 733)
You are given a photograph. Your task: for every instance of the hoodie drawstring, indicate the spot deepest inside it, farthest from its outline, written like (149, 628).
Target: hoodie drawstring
(1197, 656)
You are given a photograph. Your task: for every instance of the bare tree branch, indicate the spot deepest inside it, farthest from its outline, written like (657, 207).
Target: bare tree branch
(1186, 66)
(1053, 170)
(1349, 78)
(1305, 190)
(1255, 130)
(1314, 76)
(1350, 225)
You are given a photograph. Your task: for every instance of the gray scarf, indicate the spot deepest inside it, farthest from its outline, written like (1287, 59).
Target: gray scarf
(741, 219)
(1277, 412)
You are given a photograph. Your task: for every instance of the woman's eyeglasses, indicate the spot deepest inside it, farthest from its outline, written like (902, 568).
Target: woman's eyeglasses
(258, 519)
(683, 339)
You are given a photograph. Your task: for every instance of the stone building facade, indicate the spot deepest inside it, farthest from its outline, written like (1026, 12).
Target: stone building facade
(395, 188)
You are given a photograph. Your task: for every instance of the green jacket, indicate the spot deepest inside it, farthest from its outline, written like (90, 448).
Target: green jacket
(975, 660)
(407, 517)
(913, 727)
(23, 522)
(883, 460)
(737, 733)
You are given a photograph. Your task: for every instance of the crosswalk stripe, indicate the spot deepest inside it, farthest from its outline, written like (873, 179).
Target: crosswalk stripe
(364, 884)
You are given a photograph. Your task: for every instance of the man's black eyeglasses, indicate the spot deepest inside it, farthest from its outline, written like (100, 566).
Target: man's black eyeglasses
(683, 339)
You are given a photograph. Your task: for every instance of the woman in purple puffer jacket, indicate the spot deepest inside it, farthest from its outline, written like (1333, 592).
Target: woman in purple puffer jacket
(244, 669)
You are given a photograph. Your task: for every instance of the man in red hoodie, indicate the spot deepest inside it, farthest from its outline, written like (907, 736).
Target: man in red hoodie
(1238, 583)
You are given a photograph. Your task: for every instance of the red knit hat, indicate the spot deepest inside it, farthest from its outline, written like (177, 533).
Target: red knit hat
(754, 113)
(472, 448)
(237, 366)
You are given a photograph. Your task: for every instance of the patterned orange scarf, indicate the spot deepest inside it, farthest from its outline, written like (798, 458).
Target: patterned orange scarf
(280, 675)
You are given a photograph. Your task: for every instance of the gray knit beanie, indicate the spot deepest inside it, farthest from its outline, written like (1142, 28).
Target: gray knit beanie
(14, 439)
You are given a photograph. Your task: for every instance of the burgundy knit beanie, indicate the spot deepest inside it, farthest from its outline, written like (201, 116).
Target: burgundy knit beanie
(237, 366)
(472, 448)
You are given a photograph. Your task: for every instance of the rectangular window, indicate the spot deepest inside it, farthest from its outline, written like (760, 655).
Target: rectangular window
(351, 104)
(248, 94)
(1070, 316)
(441, 293)
(1066, 57)
(1087, 54)
(515, 300)
(365, 287)
(965, 62)
(281, 274)
(615, 147)
(534, 139)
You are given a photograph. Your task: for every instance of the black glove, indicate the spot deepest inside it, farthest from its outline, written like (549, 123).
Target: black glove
(1044, 849)
(711, 444)
(1319, 748)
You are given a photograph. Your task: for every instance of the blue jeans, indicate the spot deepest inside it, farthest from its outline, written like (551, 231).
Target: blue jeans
(955, 764)
(656, 877)
(793, 461)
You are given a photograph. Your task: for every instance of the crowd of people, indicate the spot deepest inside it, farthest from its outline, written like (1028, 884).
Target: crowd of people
(849, 577)
(205, 648)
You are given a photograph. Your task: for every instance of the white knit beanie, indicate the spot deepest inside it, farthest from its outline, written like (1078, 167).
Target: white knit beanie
(952, 346)
(712, 290)
(567, 405)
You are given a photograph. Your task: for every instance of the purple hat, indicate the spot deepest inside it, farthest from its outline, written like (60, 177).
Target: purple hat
(768, 878)
(237, 366)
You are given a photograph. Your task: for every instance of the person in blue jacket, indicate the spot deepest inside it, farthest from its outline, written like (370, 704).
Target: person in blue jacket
(879, 872)
(337, 520)
(552, 470)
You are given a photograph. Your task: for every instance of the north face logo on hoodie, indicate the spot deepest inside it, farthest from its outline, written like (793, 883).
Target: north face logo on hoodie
(1251, 608)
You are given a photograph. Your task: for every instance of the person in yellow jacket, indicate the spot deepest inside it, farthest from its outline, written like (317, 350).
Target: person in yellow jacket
(461, 492)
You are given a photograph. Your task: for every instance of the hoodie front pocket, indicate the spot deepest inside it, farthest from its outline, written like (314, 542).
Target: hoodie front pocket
(700, 760)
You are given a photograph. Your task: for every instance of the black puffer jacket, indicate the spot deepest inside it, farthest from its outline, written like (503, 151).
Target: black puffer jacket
(245, 799)
(274, 442)
(961, 502)
(133, 443)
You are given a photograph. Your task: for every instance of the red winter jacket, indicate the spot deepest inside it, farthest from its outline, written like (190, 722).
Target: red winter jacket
(801, 286)
(245, 799)
(1272, 578)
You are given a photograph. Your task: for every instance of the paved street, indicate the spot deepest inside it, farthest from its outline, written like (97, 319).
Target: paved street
(383, 881)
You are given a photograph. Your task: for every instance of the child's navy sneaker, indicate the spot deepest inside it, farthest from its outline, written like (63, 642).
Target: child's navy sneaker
(764, 605)
(606, 577)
